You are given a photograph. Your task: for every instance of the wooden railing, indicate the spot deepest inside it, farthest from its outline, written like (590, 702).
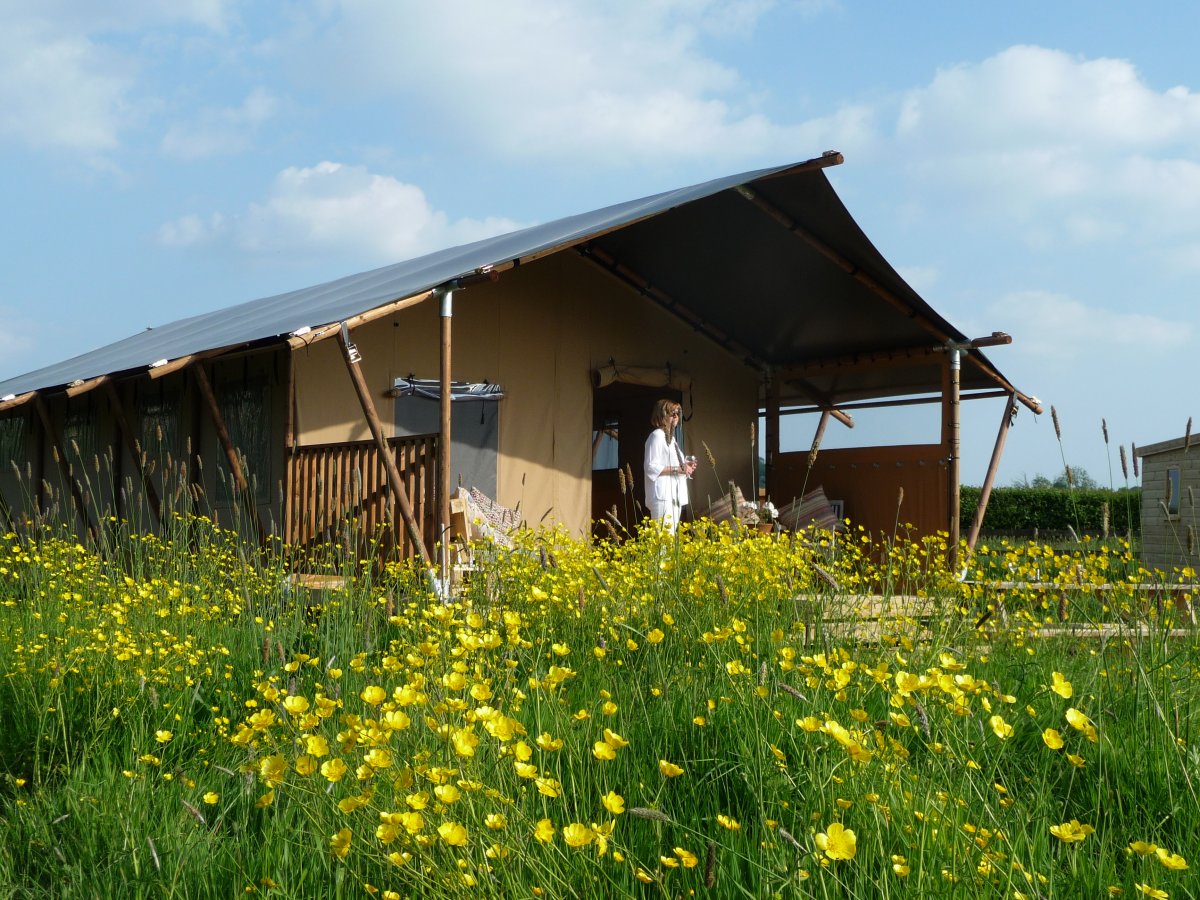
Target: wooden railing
(338, 495)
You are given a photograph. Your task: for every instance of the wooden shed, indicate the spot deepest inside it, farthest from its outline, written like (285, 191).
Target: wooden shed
(524, 365)
(1170, 491)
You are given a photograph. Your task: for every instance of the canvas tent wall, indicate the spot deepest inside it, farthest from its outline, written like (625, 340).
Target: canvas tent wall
(539, 333)
(762, 279)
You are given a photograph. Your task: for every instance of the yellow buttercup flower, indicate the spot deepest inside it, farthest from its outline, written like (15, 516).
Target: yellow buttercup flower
(603, 751)
(373, 695)
(1061, 686)
(838, 842)
(687, 859)
(1052, 739)
(614, 803)
(340, 843)
(1170, 860)
(1071, 832)
(728, 822)
(453, 834)
(669, 769)
(577, 835)
(544, 831)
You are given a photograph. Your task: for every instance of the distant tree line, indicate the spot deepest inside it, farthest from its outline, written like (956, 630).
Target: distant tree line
(1050, 506)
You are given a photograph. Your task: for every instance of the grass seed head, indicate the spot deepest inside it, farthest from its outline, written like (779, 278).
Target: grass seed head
(1054, 418)
(654, 815)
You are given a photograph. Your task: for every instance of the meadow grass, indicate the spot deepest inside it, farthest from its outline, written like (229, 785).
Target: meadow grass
(701, 715)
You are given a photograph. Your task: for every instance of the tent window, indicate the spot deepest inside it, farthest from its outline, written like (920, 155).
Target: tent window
(474, 425)
(79, 437)
(1173, 488)
(158, 434)
(605, 444)
(12, 438)
(247, 413)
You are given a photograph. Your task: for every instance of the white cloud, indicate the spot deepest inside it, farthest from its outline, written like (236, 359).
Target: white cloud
(63, 82)
(611, 84)
(1056, 328)
(1083, 151)
(59, 90)
(218, 132)
(336, 208)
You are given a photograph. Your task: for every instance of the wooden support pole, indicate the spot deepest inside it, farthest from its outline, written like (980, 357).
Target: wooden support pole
(444, 438)
(816, 442)
(823, 401)
(951, 441)
(395, 482)
(985, 492)
(64, 467)
(772, 436)
(289, 447)
(135, 452)
(241, 486)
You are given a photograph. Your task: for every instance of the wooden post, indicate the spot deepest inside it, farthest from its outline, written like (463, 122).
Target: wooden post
(135, 453)
(289, 446)
(241, 486)
(951, 439)
(351, 356)
(444, 438)
(64, 468)
(771, 450)
(985, 493)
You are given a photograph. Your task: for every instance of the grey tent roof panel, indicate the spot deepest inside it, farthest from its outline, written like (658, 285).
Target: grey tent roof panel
(728, 261)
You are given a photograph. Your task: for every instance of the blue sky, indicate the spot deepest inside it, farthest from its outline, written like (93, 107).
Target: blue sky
(1029, 168)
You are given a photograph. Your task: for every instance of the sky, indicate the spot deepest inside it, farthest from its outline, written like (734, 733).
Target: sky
(1027, 167)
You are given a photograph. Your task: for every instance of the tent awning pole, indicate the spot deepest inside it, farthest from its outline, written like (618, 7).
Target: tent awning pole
(985, 492)
(444, 440)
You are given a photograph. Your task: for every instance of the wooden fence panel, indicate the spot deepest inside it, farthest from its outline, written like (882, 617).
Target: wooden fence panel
(340, 496)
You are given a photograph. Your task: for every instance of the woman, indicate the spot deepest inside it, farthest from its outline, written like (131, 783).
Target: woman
(666, 468)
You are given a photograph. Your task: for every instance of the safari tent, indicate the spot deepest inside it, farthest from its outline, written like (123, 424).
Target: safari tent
(524, 366)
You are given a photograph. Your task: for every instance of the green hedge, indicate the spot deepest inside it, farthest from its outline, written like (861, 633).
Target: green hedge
(1022, 509)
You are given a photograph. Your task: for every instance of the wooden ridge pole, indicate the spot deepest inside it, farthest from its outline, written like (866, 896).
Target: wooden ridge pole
(351, 356)
(874, 286)
(135, 452)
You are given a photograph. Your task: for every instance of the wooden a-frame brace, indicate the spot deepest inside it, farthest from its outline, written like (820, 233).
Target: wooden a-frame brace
(395, 482)
(242, 487)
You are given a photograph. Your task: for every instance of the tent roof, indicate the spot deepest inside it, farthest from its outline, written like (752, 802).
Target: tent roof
(768, 263)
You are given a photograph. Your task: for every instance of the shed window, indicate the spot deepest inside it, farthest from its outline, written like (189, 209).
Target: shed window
(1173, 491)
